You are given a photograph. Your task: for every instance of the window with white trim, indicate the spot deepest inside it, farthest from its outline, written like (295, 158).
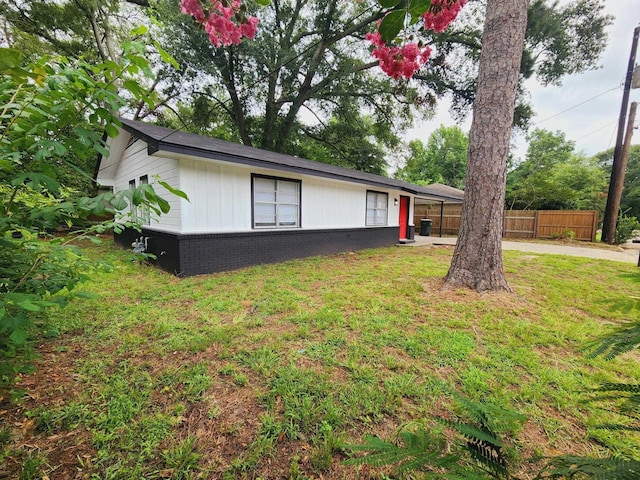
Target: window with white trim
(377, 204)
(132, 208)
(276, 202)
(145, 211)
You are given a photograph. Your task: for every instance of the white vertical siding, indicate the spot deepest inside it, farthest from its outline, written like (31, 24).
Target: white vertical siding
(412, 203)
(136, 163)
(333, 204)
(220, 195)
(106, 176)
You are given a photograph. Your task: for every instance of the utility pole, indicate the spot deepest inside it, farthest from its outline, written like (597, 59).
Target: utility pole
(624, 156)
(617, 172)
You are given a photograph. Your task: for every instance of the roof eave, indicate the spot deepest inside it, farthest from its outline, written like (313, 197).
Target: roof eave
(237, 159)
(155, 145)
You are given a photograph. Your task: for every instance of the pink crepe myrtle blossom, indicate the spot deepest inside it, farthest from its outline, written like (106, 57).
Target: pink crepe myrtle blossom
(193, 8)
(442, 13)
(222, 20)
(402, 61)
(406, 60)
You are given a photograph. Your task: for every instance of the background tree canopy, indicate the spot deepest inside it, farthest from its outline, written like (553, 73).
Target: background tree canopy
(554, 177)
(442, 160)
(303, 77)
(288, 89)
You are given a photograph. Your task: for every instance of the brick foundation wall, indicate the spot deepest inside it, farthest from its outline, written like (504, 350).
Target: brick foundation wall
(194, 254)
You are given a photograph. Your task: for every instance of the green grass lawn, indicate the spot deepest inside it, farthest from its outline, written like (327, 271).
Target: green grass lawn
(267, 372)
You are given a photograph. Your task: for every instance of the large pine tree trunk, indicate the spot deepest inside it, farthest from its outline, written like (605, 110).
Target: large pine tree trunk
(477, 260)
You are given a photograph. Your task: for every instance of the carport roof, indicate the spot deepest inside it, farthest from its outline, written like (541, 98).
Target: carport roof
(161, 139)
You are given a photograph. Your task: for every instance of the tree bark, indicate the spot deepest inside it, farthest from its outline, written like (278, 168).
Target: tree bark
(477, 259)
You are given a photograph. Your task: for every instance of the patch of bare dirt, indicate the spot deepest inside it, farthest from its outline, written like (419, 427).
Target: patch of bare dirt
(512, 302)
(53, 384)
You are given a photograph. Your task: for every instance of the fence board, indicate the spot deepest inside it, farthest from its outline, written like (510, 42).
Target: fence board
(517, 223)
(557, 222)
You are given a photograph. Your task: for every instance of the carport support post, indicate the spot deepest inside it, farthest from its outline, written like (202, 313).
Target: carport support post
(441, 216)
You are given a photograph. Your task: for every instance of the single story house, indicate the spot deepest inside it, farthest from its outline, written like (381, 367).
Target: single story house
(249, 206)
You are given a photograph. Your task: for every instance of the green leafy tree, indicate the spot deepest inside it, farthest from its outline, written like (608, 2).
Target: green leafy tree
(561, 39)
(349, 139)
(46, 107)
(553, 177)
(306, 62)
(442, 160)
(93, 30)
(309, 55)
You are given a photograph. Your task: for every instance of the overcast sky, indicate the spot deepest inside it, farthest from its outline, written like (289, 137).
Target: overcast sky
(593, 124)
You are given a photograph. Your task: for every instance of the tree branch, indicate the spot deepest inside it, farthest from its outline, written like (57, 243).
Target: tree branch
(238, 111)
(90, 15)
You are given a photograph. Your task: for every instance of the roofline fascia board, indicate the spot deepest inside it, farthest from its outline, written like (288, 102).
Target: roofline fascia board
(139, 134)
(430, 195)
(152, 148)
(230, 158)
(96, 168)
(438, 198)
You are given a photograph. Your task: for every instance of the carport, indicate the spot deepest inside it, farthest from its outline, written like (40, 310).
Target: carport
(438, 193)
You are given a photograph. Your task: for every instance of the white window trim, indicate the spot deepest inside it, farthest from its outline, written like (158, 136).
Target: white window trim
(132, 208)
(375, 210)
(276, 203)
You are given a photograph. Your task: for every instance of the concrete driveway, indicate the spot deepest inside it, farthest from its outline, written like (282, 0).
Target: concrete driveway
(628, 253)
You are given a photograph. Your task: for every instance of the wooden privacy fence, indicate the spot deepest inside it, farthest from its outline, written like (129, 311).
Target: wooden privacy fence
(517, 223)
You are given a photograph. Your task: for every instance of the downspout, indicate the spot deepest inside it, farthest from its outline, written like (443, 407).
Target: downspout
(441, 216)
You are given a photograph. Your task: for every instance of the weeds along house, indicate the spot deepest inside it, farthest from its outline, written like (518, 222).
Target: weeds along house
(249, 206)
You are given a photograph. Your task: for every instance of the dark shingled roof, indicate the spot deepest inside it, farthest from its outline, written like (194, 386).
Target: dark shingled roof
(169, 140)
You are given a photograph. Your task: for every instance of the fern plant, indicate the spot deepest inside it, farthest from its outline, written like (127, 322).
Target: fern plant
(572, 467)
(416, 450)
(482, 433)
(623, 339)
(628, 397)
(480, 456)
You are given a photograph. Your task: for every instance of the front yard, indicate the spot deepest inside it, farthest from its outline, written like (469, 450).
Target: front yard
(269, 371)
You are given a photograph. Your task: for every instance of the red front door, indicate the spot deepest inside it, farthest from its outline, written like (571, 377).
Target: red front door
(404, 216)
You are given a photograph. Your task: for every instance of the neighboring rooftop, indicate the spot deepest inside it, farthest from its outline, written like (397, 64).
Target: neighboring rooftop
(170, 140)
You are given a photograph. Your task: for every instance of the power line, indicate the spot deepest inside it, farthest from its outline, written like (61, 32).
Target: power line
(596, 131)
(577, 105)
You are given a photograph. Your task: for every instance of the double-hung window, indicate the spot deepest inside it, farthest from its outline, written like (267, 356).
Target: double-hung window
(377, 208)
(276, 202)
